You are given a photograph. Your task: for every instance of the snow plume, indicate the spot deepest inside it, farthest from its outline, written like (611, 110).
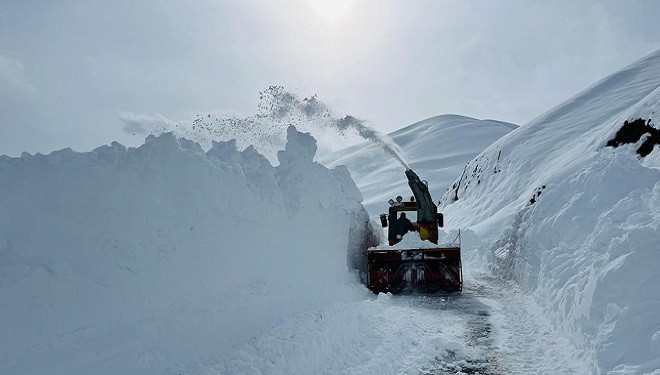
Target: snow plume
(159, 258)
(351, 123)
(277, 110)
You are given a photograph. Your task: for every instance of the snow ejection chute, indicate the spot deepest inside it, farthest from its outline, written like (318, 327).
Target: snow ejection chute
(411, 262)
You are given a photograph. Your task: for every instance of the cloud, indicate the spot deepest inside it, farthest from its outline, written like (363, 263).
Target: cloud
(14, 82)
(144, 124)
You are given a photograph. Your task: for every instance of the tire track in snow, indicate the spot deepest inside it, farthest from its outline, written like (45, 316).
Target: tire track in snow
(508, 330)
(472, 307)
(530, 344)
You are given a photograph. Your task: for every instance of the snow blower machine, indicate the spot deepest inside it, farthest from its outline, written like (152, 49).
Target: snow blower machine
(424, 266)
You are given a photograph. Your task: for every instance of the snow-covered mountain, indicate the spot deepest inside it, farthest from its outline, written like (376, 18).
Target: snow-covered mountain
(170, 259)
(575, 221)
(436, 148)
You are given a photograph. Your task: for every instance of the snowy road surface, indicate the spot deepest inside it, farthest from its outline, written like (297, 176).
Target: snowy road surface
(503, 329)
(488, 329)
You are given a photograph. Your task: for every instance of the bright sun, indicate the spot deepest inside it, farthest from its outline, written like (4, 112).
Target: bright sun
(330, 9)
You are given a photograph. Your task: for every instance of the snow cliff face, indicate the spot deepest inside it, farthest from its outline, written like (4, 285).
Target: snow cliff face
(436, 148)
(575, 221)
(146, 260)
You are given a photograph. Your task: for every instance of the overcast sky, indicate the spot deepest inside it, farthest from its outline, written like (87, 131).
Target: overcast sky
(68, 68)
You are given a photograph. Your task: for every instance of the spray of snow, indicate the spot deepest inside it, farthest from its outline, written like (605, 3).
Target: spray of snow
(277, 110)
(368, 133)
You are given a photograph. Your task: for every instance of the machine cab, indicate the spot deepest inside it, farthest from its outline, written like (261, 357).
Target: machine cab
(390, 220)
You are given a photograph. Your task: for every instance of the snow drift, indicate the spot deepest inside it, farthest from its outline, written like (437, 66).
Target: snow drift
(575, 221)
(152, 259)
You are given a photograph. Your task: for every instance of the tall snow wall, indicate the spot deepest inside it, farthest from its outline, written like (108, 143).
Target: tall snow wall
(575, 221)
(151, 259)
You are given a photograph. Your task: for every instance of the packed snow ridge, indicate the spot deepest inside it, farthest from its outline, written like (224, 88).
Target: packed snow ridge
(574, 220)
(159, 258)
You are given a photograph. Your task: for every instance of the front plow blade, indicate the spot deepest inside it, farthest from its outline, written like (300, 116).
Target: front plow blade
(428, 270)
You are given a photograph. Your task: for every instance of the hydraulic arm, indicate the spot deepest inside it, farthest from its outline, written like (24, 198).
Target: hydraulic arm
(427, 211)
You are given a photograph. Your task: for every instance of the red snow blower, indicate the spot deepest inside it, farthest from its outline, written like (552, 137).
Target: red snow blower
(424, 268)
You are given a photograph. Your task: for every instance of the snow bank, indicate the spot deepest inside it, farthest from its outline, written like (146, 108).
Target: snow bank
(162, 258)
(577, 222)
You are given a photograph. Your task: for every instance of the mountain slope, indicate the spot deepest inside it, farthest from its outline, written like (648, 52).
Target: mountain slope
(577, 222)
(436, 148)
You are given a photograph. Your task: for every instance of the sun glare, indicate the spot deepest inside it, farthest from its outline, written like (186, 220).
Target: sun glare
(331, 10)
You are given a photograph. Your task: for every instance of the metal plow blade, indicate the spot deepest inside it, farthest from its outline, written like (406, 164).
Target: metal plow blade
(429, 270)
